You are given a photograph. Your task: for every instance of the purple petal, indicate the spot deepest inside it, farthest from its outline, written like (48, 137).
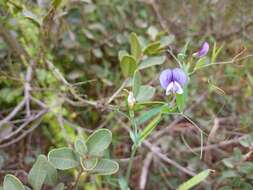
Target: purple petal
(203, 50)
(165, 78)
(179, 76)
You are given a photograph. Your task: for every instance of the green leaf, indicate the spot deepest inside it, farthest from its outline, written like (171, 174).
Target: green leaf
(167, 40)
(89, 164)
(149, 128)
(136, 83)
(148, 115)
(128, 65)
(63, 158)
(12, 183)
(81, 147)
(215, 53)
(246, 168)
(42, 171)
(145, 93)
(98, 142)
(135, 46)
(56, 3)
(180, 100)
(229, 174)
(152, 61)
(122, 53)
(200, 63)
(182, 54)
(153, 48)
(106, 167)
(123, 183)
(195, 180)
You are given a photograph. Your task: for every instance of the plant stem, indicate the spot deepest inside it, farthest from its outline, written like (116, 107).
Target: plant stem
(77, 180)
(134, 149)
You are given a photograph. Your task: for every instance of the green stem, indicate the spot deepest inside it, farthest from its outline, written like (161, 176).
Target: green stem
(77, 179)
(134, 149)
(134, 146)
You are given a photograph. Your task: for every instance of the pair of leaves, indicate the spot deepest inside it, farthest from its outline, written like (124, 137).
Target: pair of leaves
(42, 172)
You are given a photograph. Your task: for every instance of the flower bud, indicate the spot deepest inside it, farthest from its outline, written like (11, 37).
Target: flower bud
(131, 100)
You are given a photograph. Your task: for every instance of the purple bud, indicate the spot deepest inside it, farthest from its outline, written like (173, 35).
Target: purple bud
(173, 80)
(203, 50)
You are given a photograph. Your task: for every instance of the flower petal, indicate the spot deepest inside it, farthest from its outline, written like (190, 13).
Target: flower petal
(179, 76)
(165, 78)
(178, 88)
(170, 88)
(203, 50)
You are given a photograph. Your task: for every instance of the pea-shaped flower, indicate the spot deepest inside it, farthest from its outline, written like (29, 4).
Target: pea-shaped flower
(202, 51)
(173, 80)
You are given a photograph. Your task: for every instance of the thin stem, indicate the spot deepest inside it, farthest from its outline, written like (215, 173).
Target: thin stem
(134, 149)
(77, 179)
(134, 146)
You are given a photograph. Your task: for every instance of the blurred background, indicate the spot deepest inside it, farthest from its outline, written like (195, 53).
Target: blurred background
(81, 40)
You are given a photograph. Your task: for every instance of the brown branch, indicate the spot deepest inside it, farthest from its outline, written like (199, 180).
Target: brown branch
(218, 145)
(145, 170)
(25, 132)
(157, 152)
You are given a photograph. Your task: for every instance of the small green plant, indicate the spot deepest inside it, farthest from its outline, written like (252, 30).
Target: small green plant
(86, 156)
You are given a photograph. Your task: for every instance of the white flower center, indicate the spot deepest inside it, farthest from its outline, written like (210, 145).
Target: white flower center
(174, 87)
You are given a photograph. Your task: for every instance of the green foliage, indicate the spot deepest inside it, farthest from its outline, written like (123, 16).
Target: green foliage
(74, 45)
(63, 158)
(152, 61)
(13, 183)
(42, 172)
(136, 83)
(195, 180)
(149, 128)
(98, 142)
(128, 65)
(81, 147)
(105, 167)
(145, 93)
(135, 46)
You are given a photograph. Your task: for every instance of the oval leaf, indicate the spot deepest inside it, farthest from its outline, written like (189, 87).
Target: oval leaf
(37, 174)
(145, 93)
(135, 46)
(63, 158)
(106, 167)
(89, 164)
(12, 183)
(152, 61)
(153, 48)
(98, 142)
(81, 147)
(128, 65)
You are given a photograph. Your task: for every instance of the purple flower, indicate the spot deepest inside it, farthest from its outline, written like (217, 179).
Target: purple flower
(203, 50)
(173, 80)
